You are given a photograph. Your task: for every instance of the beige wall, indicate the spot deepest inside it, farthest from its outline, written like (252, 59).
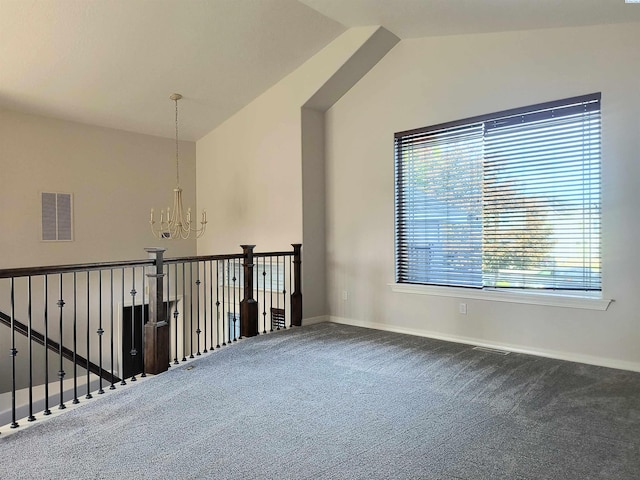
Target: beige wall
(250, 169)
(259, 186)
(433, 80)
(115, 178)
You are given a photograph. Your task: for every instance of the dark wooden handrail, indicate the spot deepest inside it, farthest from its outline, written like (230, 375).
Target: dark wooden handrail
(79, 267)
(85, 267)
(39, 338)
(203, 258)
(274, 254)
(231, 256)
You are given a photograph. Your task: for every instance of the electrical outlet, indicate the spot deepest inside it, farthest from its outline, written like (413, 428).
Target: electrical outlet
(462, 308)
(345, 295)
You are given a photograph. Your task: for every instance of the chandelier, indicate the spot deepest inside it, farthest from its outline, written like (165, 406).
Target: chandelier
(174, 223)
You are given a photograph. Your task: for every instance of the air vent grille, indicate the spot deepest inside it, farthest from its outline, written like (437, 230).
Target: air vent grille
(57, 217)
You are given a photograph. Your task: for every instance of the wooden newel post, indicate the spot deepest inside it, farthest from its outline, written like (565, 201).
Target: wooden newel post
(248, 306)
(296, 296)
(156, 330)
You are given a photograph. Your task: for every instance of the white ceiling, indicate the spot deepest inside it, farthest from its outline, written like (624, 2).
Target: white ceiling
(114, 63)
(424, 18)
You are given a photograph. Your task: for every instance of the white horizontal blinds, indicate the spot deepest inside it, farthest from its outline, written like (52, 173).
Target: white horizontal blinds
(439, 206)
(505, 200)
(541, 197)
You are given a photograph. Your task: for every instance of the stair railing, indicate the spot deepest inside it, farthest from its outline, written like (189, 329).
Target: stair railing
(104, 323)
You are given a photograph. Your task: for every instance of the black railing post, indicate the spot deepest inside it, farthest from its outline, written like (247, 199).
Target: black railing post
(296, 296)
(248, 306)
(156, 331)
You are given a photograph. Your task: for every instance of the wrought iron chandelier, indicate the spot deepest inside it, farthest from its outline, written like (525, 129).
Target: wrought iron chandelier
(175, 224)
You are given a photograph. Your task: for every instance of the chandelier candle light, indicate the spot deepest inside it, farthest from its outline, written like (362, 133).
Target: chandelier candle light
(176, 224)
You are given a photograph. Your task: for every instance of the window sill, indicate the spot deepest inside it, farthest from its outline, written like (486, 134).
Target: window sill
(567, 300)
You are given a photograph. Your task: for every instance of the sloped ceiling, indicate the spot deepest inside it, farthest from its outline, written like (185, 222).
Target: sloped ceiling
(114, 63)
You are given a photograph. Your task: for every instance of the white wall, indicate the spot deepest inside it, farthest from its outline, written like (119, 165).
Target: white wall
(116, 177)
(433, 80)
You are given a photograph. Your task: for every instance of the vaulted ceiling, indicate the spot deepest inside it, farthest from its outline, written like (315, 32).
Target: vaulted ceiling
(114, 63)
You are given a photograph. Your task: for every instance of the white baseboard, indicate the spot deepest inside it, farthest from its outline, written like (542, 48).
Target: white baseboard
(315, 320)
(567, 356)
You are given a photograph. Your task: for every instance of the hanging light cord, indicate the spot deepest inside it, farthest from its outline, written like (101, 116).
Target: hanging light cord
(177, 165)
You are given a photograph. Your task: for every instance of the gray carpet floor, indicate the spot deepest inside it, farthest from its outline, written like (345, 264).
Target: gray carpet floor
(337, 402)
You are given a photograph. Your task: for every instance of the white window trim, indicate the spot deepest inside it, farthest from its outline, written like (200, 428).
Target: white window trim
(567, 300)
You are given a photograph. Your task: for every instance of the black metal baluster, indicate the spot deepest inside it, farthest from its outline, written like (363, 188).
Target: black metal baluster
(211, 299)
(218, 306)
(133, 351)
(284, 292)
(175, 316)
(264, 294)
(256, 293)
(271, 293)
(61, 372)
(229, 300)
(122, 380)
(234, 300)
(184, 323)
(225, 273)
(204, 305)
(191, 310)
(75, 338)
(100, 332)
(112, 386)
(277, 284)
(290, 285)
(198, 331)
(46, 350)
(142, 319)
(13, 353)
(168, 309)
(88, 395)
(30, 418)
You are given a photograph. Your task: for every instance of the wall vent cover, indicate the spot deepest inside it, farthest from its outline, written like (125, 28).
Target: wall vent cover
(57, 217)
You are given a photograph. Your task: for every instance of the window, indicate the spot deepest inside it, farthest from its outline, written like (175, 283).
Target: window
(506, 200)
